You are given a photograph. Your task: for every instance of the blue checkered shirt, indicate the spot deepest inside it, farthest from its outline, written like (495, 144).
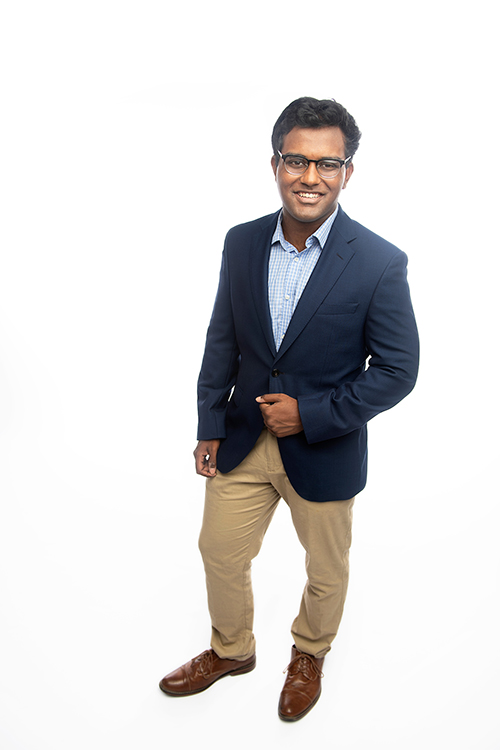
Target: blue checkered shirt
(289, 272)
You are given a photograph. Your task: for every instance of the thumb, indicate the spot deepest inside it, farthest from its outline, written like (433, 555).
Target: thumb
(267, 398)
(212, 457)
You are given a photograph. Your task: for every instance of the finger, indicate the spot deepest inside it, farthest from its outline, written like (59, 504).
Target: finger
(206, 469)
(210, 466)
(200, 463)
(210, 460)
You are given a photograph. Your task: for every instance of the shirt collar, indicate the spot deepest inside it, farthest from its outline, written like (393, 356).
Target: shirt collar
(321, 234)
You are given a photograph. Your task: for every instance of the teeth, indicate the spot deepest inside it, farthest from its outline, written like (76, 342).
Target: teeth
(309, 195)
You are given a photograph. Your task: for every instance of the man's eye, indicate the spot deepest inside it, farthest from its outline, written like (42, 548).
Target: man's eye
(329, 166)
(296, 162)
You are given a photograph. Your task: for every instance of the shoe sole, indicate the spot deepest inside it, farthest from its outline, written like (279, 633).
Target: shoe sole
(234, 673)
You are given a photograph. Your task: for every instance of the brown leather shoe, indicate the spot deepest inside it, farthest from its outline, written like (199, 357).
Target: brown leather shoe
(302, 686)
(202, 671)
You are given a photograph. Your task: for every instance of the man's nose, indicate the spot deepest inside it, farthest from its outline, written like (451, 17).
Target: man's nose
(311, 176)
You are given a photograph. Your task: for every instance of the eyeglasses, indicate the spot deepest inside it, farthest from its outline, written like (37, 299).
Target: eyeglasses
(328, 168)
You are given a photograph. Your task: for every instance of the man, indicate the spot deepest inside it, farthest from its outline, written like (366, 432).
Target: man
(311, 336)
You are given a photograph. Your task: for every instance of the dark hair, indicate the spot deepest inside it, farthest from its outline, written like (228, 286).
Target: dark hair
(307, 112)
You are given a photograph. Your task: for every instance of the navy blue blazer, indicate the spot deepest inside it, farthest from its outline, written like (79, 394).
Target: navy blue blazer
(350, 352)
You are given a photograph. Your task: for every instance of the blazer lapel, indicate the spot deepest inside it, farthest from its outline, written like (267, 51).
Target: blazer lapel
(259, 271)
(332, 262)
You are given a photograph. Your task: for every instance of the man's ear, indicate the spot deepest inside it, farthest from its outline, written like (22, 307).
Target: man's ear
(348, 173)
(273, 164)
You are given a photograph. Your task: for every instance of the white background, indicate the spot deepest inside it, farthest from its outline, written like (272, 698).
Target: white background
(133, 135)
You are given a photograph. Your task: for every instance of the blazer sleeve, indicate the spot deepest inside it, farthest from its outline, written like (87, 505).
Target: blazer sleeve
(220, 363)
(392, 346)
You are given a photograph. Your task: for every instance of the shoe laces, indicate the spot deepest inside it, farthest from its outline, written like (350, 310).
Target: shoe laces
(306, 664)
(204, 663)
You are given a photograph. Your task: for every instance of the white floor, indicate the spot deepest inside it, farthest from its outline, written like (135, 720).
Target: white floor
(93, 617)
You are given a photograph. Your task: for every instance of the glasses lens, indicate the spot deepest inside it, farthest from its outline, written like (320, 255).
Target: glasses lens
(295, 165)
(328, 168)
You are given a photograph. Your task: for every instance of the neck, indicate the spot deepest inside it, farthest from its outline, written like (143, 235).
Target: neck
(297, 232)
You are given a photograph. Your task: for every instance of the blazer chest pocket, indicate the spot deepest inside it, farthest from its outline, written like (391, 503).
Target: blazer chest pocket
(343, 308)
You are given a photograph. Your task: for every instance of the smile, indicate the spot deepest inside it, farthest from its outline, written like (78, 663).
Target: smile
(309, 195)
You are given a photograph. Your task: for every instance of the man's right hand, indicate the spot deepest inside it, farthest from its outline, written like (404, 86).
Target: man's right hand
(205, 455)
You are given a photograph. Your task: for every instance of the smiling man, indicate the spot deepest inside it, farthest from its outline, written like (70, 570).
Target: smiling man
(310, 187)
(311, 336)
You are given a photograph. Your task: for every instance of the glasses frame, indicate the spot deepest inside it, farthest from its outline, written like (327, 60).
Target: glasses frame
(342, 163)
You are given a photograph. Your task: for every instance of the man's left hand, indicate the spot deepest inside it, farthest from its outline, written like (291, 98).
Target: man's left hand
(281, 414)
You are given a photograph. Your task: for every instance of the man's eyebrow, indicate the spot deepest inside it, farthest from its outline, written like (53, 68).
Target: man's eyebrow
(321, 158)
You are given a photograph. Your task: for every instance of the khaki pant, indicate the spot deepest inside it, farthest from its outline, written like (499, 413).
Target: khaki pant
(238, 509)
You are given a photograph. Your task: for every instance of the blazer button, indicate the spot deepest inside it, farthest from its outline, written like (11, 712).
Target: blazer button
(275, 373)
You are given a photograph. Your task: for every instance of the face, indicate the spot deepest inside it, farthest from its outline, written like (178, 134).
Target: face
(309, 198)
